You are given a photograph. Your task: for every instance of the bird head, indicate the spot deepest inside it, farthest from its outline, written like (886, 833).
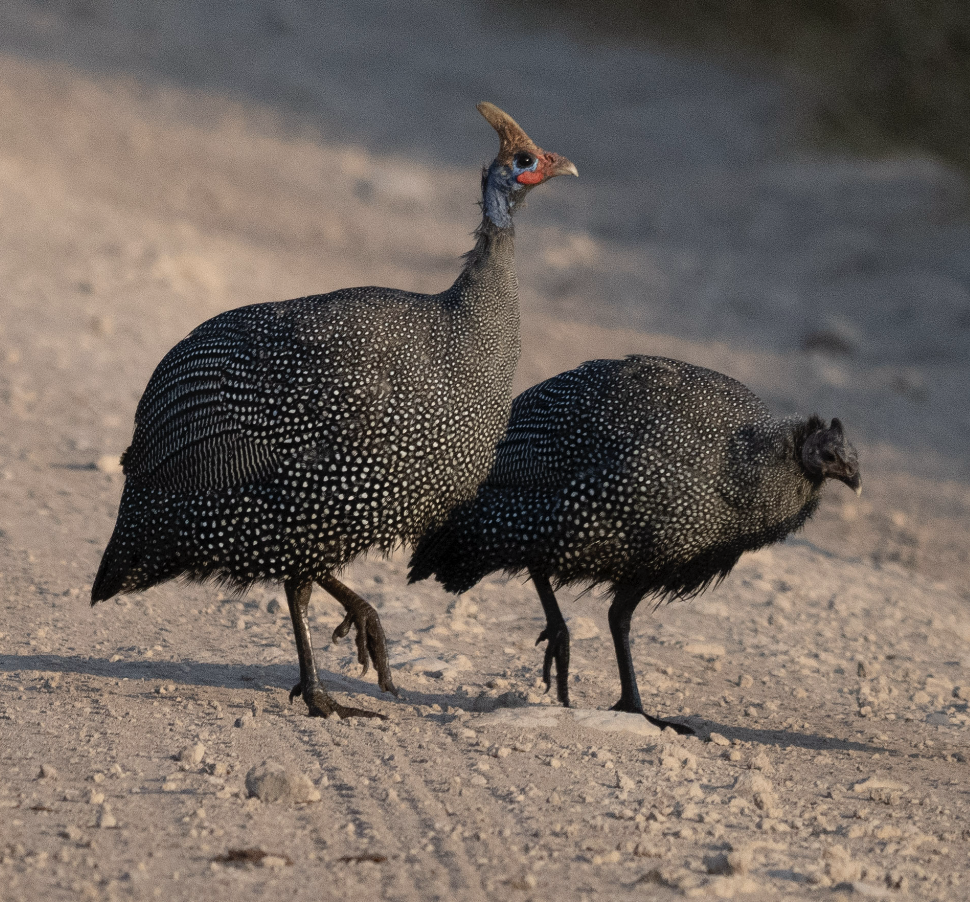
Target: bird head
(520, 165)
(826, 453)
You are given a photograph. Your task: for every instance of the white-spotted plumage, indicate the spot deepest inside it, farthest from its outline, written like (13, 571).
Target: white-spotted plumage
(646, 475)
(280, 441)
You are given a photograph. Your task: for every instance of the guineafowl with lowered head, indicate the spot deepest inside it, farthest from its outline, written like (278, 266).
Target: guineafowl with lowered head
(279, 441)
(645, 475)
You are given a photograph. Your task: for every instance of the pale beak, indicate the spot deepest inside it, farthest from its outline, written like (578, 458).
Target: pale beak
(558, 165)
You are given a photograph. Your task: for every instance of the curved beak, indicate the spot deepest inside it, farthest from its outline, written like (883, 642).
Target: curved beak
(555, 164)
(853, 481)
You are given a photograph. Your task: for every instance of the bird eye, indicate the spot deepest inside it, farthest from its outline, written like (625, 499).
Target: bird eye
(525, 161)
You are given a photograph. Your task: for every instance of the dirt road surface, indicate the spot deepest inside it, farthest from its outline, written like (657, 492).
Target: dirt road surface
(160, 165)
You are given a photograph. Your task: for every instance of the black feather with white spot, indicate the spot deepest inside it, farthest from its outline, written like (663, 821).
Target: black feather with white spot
(646, 475)
(280, 441)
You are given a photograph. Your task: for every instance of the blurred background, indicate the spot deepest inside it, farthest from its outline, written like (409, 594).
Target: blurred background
(880, 76)
(774, 189)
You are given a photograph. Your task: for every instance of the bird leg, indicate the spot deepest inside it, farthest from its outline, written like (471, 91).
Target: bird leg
(557, 634)
(318, 700)
(371, 644)
(621, 612)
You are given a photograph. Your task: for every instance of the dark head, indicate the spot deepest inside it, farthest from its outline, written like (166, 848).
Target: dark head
(826, 453)
(519, 166)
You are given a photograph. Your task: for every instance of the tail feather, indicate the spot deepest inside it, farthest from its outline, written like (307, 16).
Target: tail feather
(444, 553)
(141, 553)
(492, 532)
(113, 573)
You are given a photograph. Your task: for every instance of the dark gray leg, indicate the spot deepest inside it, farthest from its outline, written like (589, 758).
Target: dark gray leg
(371, 645)
(621, 612)
(310, 688)
(557, 634)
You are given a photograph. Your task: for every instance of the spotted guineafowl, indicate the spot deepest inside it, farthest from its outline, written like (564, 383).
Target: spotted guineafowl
(646, 475)
(279, 441)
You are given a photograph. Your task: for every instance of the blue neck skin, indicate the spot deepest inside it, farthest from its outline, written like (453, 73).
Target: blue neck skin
(501, 194)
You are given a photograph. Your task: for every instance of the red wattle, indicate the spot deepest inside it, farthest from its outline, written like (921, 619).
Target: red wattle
(529, 178)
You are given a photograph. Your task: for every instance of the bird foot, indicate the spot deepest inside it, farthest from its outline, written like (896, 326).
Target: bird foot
(679, 728)
(321, 704)
(556, 651)
(371, 644)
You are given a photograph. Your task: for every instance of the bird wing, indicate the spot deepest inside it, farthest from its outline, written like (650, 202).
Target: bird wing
(253, 388)
(550, 437)
(191, 428)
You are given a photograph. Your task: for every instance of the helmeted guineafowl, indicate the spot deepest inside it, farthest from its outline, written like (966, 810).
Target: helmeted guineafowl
(647, 475)
(279, 441)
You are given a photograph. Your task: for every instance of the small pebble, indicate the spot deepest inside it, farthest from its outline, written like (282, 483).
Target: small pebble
(192, 754)
(624, 783)
(761, 762)
(109, 464)
(272, 782)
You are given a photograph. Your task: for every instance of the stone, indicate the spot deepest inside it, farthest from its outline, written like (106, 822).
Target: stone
(881, 783)
(271, 782)
(537, 717)
(110, 464)
(735, 861)
(613, 722)
(624, 783)
(839, 866)
(707, 650)
(759, 789)
(582, 628)
(192, 754)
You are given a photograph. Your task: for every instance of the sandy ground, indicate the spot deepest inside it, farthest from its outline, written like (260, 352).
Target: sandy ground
(157, 167)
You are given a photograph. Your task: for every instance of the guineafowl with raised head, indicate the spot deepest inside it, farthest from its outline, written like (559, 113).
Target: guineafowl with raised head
(279, 441)
(645, 475)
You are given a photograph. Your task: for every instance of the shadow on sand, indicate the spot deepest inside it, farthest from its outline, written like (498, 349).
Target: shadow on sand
(280, 678)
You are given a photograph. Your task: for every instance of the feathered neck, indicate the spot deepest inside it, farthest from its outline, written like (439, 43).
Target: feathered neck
(488, 238)
(499, 199)
(799, 430)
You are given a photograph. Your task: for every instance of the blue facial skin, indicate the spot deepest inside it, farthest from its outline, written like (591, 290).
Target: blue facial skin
(503, 191)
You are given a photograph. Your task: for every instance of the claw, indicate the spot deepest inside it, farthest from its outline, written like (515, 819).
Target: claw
(370, 641)
(343, 629)
(556, 651)
(320, 704)
(371, 644)
(362, 639)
